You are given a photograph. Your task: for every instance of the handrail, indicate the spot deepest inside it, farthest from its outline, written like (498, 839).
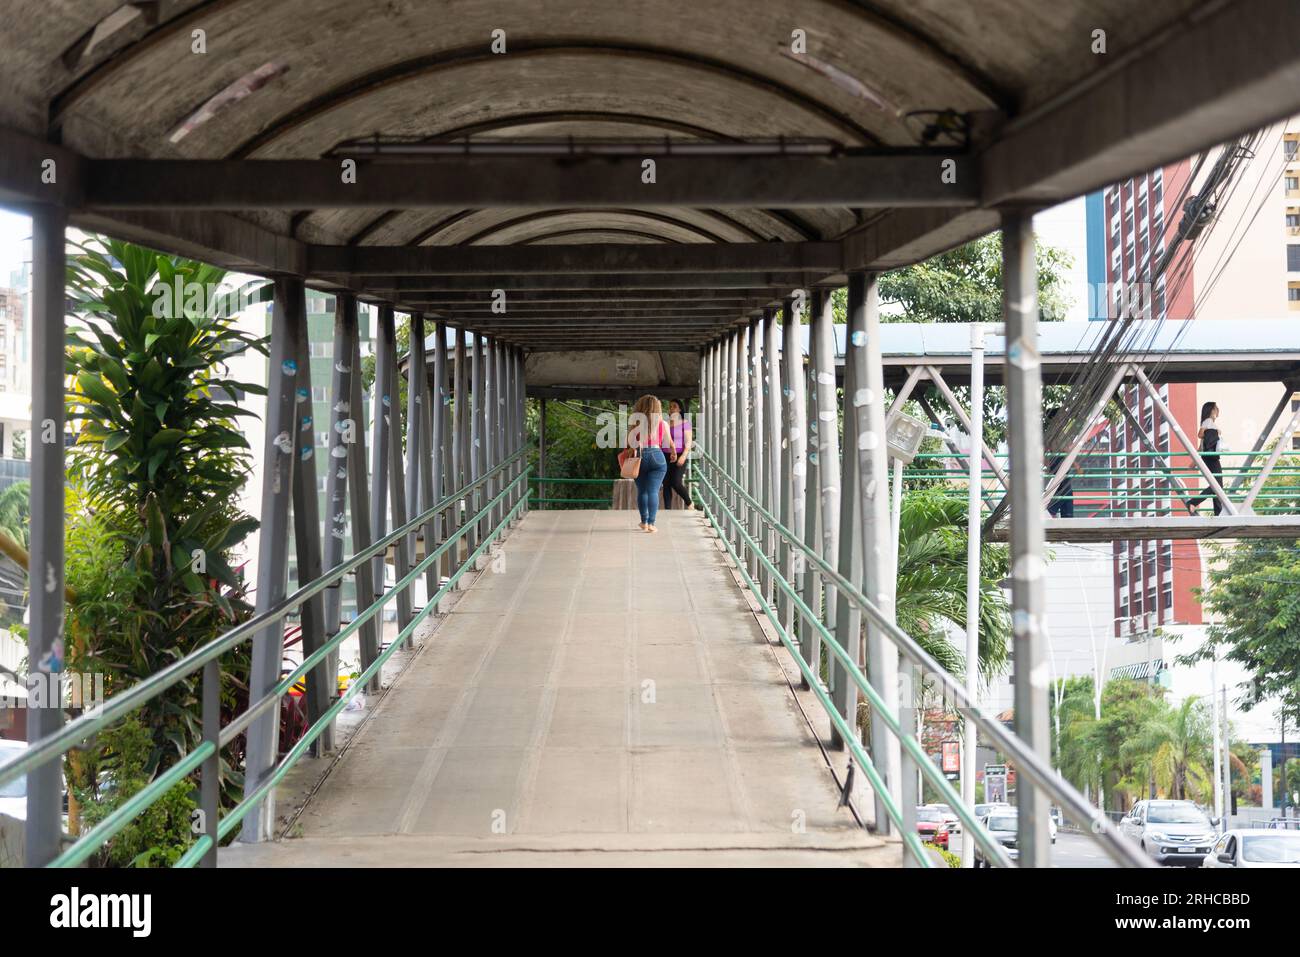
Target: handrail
(88, 843)
(1027, 762)
(991, 847)
(97, 718)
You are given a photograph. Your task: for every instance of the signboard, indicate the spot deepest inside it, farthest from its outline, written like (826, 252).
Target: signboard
(952, 756)
(995, 783)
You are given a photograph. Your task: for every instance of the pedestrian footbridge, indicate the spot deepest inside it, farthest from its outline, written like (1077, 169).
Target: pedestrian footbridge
(598, 695)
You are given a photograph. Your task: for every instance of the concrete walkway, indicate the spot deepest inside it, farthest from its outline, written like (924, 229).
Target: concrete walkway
(603, 697)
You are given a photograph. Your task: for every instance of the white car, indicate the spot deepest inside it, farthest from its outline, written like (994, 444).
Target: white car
(1170, 832)
(1249, 847)
(13, 796)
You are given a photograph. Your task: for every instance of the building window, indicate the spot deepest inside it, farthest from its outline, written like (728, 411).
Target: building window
(319, 393)
(1293, 293)
(1292, 183)
(1293, 257)
(323, 439)
(1293, 219)
(1289, 147)
(321, 350)
(1167, 596)
(1295, 442)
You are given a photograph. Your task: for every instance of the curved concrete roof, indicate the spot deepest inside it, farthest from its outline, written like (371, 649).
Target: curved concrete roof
(304, 79)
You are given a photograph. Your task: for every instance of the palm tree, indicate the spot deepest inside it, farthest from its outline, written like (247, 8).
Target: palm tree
(1172, 747)
(931, 597)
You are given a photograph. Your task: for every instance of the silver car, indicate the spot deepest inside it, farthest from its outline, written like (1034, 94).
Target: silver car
(1171, 832)
(1247, 847)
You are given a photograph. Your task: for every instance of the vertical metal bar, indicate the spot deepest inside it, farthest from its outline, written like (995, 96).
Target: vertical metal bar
(391, 423)
(1025, 429)
(975, 486)
(794, 458)
(490, 426)
(306, 519)
(442, 474)
(418, 448)
(381, 405)
(810, 528)
(501, 392)
(342, 427)
(864, 439)
(359, 492)
(541, 455)
(210, 772)
(758, 447)
(45, 642)
(825, 417)
(746, 438)
(430, 452)
(478, 448)
(848, 618)
(272, 555)
(772, 405)
(730, 366)
(460, 510)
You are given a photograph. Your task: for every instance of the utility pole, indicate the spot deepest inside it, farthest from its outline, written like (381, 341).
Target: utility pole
(973, 518)
(1227, 761)
(1214, 721)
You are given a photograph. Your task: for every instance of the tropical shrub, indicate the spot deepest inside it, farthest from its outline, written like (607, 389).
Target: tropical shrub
(156, 467)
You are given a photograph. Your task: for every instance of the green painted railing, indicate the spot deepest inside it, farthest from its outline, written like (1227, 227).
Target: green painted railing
(55, 746)
(1028, 763)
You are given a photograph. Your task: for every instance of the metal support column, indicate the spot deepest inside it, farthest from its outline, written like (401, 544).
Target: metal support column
(336, 477)
(45, 650)
(306, 520)
(461, 444)
(757, 462)
(731, 463)
(772, 450)
(848, 617)
(867, 404)
(1025, 434)
(974, 517)
(810, 527)
(500, 392)
(541, 454)
(439, 406)
(478, 445)
(272, 554)
(358, 483)
(421, 452)
(794, 464)
(491, 425)
(388, 442)
(824, 416)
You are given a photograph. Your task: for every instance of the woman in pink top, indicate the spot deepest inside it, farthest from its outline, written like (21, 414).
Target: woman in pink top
(680, 428)
(649, 436)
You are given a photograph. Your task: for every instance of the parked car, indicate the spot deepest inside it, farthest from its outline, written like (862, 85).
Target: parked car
(948, 819)
(1002, 823)
(928, 821)
(983, 810)
(1246, 847)
(1172, 832)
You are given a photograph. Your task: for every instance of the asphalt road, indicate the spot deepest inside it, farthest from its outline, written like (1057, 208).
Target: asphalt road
(1076, 850)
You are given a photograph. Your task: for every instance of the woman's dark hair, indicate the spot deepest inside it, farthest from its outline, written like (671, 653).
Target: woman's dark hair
(1206, 409)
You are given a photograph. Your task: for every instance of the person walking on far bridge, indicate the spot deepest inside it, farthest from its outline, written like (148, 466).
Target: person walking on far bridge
(649, 437)
(1209, 436)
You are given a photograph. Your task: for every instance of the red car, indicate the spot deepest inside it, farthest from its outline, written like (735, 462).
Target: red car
(931, 825)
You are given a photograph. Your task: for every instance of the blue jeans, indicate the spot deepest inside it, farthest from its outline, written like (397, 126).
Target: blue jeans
(648, 482)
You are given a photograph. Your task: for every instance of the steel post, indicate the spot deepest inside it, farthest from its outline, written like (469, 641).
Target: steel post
(974, 517)
(794, 464)
(757, 459)
(772, 451)
(1025, 434)
(306, 520)
(359, 492)
(272, 553)
(827, 423)
(45, 637)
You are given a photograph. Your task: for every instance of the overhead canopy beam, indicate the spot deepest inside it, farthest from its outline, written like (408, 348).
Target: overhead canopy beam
(590, 258)
(1231, 70)
(648, 296)
(854, 180)
(783, 280)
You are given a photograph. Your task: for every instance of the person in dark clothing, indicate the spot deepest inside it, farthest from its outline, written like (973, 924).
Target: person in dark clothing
(1209, 436)
(680, 427)
(1062, 504)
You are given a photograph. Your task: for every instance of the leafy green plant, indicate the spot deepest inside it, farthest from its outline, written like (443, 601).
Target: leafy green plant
(156, 468)
(117, 771)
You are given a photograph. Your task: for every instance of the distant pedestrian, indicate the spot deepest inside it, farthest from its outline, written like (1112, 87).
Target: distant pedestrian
(1062, 504)
(1209, 436)
(648, 436)
(679, 426)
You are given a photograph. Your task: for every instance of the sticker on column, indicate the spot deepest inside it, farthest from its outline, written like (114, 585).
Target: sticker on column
(343, 407)
(342, 367)
(306, 424)
(289, 367)
(1023, 355)
(306, 453)
(284, 443)
(384, 400)
(859, 338)
(303, 395)
(52, 661)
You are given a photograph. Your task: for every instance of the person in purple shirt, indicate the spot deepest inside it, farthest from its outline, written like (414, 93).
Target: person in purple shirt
(680, 427)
